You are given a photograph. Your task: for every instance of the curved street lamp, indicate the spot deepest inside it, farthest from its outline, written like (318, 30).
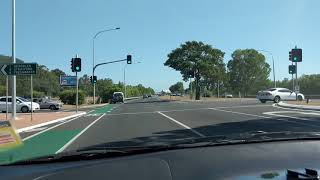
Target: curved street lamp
(93, 58)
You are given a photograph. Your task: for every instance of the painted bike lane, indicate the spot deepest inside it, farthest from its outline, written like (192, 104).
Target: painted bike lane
(49, 141)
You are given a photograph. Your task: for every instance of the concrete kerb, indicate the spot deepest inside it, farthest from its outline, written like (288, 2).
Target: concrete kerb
(51, 122)
(302, 107)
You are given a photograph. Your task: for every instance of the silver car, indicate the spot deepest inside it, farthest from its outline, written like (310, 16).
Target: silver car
(278, 94)
(48, 104)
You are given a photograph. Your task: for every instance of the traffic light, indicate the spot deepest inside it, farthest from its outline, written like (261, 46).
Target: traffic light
(292, 69)
(296, 55)
(290, 56)
(94, 79)
(76, 64)
(72, 64)
(129, 60)
(91, 79)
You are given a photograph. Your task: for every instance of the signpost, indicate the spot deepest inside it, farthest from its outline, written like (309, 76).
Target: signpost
(17, 69)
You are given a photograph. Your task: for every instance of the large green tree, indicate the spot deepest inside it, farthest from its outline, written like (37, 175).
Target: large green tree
(248, 71)
(177, 88)
(196, 59)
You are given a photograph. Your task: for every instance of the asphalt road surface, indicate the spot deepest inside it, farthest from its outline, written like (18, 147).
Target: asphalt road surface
(150, 121)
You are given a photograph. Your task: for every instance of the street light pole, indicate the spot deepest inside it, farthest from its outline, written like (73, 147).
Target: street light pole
(274, 74)
(13, 90)
(124, 78)
(93, 58)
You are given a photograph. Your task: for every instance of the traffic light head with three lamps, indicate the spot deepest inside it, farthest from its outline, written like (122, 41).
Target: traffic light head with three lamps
(296, 55)
(129, 59)
(76, 64)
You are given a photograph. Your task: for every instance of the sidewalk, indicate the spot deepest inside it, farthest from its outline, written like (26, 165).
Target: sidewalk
(314, 106)
(23, 121)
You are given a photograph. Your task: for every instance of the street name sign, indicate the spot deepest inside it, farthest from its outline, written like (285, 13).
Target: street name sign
(19, 69)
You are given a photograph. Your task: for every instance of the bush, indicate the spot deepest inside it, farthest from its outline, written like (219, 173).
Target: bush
(38, 94)
(206, 93)
(107, 93)
(69, 97)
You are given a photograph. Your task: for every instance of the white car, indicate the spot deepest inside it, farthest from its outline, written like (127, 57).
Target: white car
(278, 94)
(23, 105)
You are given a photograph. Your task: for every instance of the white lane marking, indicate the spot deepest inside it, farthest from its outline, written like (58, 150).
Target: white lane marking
(50, 122)
(277, 113)
(254, 115)
(295, 109)
(79, 134)
(134, 113)
(181, 124)
(36, 134)
(242, 106)
(268, 117)
(36, 129)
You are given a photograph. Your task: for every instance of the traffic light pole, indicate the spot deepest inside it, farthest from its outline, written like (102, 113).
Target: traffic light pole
(296, 80)
(94, 68)
(292, 79)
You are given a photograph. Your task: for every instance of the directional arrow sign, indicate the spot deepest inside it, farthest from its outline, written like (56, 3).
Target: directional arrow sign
(5, 69)
(19, 69)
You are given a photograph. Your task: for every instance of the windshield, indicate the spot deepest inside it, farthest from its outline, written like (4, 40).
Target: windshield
(24, 100)
(123, 74)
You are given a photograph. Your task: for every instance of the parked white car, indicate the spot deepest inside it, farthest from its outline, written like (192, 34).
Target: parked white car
(278, 94)
(23, 105)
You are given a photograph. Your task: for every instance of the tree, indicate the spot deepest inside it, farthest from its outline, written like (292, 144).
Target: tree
(177, 88)
(196, 59)
(248, 71)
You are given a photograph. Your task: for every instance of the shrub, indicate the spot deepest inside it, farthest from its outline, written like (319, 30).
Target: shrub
(69, 97)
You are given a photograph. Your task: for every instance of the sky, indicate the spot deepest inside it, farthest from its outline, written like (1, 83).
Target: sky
(51, 32)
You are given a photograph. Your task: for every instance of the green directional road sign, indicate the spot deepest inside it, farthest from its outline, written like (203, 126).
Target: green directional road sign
(19, 69)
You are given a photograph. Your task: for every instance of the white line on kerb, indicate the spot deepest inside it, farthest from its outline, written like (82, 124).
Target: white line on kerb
(36, 134)
(75, 137)
(183, 125)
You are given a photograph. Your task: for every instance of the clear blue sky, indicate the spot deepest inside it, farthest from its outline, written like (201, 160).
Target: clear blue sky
(51, 32)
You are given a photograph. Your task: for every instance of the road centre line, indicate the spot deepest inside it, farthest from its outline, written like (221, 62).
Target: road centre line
(268, 117)
(79, 134)
(181, 124)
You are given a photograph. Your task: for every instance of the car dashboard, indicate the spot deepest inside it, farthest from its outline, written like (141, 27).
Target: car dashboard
(270, 160)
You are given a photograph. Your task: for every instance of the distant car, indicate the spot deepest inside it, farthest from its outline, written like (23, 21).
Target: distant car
(227, 95)
(278, 94)
(48, 103)
(145, 96)
(23, 105)
(149, 95)
(117, 97)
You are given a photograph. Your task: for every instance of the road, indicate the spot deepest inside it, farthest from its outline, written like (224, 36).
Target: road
(151, 121)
